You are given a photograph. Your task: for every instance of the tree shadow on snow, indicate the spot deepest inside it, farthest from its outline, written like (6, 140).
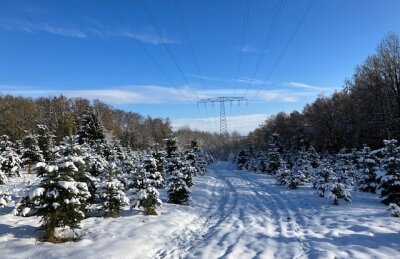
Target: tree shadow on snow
(23, 231)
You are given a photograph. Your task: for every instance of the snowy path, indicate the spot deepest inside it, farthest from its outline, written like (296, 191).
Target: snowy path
(248, 216)
(233, 214)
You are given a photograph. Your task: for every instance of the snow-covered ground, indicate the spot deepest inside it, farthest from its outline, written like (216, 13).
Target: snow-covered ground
(233, 214)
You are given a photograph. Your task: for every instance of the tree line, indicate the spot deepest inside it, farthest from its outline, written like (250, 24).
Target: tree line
(61, 115)
(365, 111)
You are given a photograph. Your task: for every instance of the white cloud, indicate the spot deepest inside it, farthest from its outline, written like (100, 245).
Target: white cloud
(95, 28)
(306, 86)
(31, 27)
(151, 38)
(155, 94)
(211, 124)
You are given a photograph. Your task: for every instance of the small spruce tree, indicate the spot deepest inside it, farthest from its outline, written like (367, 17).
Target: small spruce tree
(31, 153)
(90, 129)
(389, 174)
(366, 175)
(112, 193)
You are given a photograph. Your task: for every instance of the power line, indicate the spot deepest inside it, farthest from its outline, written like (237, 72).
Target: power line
(267, 41)
(244, 33)
(167, 49)
(189, 42)
(292, 36)
(124, 23)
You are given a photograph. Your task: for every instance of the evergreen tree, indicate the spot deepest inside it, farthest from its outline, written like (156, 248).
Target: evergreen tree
(335, 191)
(90, 129)
(112, 192)
(295, 178)
(241, 160)
(10, 163)
(344, 168)
(366, 175)
(45, 142)
(328, 185)
(283, 173)
(178, 190)
(314, 157)
(31, 153)
(58, 199)
(159, 156)
(148, 197)
(152, 174)
(274, 157)
(323, 175)
(389, 174)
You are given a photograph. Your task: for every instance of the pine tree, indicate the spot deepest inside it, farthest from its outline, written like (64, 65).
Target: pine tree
(295, 178)
(31, 153)
(112, 192)
(241, 160)
(159, 156)
(328, 185)
(283, 173)
(58, 199)
(10, 162)
(344, 168)
(274, 157)
(389, 174)
(152, 174)
(322, 176)
(335, 191)
(148, 197)
(45, 142)
(314, 157)
(90, 129)
(178, 190)
(366, 175)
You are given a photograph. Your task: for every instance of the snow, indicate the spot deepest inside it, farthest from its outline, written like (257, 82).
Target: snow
(36, 192)
(232, 214)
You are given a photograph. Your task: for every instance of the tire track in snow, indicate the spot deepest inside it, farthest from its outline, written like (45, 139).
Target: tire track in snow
(250, 219)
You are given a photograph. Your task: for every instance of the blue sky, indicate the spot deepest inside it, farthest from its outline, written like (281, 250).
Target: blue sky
(82, 48)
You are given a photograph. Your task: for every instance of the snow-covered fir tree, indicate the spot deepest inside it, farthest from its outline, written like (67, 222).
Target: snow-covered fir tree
(295, 178)
(59, 200)
(90, 129)
(335, 191)
(148, 198)
(328, 185)
(178, 190)
(10, 162)
(160, 157)
(241, 160)
(322, 176)
(313, 157)
(45, 142)
(112, 192)
(282, 174)
(301, 170)
(366, 175)
(154, 177)
(344, 168)
(31, 153)
(389, 174)
(274, 157)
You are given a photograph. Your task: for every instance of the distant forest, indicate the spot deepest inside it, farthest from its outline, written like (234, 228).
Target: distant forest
(365, 111)
(19, 115)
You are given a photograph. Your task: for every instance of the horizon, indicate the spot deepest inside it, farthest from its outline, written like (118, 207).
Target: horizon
(104, 50)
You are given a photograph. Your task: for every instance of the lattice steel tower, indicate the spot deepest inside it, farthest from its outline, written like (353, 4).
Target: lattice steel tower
(223, 127)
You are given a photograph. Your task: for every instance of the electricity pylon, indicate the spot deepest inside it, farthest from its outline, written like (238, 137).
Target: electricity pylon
(223, 127)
